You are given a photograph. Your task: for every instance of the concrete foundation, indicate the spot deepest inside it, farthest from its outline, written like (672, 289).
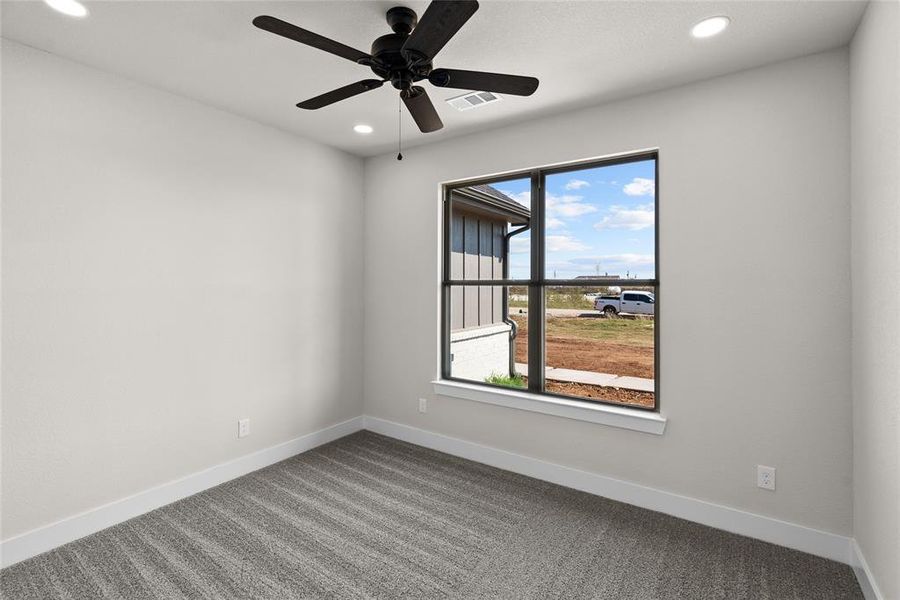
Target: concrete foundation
(479, 352)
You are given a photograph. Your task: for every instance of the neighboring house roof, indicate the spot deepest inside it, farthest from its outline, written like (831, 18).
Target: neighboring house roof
(488, 200)
(492, 191)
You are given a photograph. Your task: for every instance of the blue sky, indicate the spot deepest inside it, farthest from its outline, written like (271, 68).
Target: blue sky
(599, 221)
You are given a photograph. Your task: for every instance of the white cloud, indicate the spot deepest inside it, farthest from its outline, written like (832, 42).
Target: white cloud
(568, 211)
(567, 206)
(554, 243)
(631, 219)
(554, 223)
(576, 184)
(613, 264)
(519, 244)
(640, 187)
(554, 200)
(619, 259)
(564, 243)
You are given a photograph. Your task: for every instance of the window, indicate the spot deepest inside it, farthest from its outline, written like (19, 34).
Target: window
(550, 281)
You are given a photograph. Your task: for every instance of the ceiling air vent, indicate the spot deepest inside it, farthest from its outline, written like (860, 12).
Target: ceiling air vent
(473, 100)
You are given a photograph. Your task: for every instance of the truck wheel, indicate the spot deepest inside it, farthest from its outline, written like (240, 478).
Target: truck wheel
(609, 311)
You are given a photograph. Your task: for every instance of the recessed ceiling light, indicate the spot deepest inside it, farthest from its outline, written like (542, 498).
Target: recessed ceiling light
(73, 8)
(710, 27)
(363, 129)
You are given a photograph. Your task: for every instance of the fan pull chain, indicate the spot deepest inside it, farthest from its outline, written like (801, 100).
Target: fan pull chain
(399, 134)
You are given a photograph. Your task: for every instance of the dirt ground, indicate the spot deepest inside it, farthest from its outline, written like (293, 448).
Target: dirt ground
(586, 354)
(578, 343)
(607, 394)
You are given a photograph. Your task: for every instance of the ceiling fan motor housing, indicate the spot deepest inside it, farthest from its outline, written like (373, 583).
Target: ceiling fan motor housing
(389, 61)
(401, 19)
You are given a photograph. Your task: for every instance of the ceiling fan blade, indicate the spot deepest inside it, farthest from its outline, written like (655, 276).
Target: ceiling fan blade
(441, 21)
(292, 32)
(342, 93)
(481, 81)
(422, 110)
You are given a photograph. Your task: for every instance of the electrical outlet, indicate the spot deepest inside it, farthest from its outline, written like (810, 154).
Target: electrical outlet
(243, 428)
(765, 477)
(423, 405)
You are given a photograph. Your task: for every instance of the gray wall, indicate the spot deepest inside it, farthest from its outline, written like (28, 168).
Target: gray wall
(754, 213)
(875, 100)
(168, 269)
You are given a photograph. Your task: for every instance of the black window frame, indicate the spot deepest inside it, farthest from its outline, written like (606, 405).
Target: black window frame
(538, 282)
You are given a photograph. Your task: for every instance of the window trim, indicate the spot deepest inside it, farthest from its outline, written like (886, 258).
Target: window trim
(539, 282)
(567, 407)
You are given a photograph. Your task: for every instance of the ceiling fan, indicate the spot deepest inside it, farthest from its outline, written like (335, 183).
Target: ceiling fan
(404, 58)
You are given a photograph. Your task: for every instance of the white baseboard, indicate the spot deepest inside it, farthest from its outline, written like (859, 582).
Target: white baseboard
(790, 535)
(820, 543)
(864, 574)
(56, 534)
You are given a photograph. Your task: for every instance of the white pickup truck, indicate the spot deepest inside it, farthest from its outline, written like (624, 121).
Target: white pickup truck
(632, 302)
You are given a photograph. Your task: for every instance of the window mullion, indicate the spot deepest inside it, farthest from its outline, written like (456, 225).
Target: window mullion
(445, 288)
(535, 289)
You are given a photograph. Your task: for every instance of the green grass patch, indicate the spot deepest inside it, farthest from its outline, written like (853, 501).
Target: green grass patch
(634, 332)
(577, 301)
(505, 380)
(574, 300)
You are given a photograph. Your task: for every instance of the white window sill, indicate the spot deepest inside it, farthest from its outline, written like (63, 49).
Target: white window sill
(605, 414)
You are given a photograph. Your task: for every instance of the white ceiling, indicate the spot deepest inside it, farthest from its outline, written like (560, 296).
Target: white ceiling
(584, 53)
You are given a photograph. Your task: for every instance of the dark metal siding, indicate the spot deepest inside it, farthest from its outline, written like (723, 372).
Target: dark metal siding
(476, 253)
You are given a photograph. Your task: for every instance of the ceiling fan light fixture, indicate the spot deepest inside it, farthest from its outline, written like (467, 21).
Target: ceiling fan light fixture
(72, 8)
(363, 129)
(710, 27)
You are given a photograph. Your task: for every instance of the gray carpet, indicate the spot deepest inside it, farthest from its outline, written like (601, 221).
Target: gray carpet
(370, 517)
